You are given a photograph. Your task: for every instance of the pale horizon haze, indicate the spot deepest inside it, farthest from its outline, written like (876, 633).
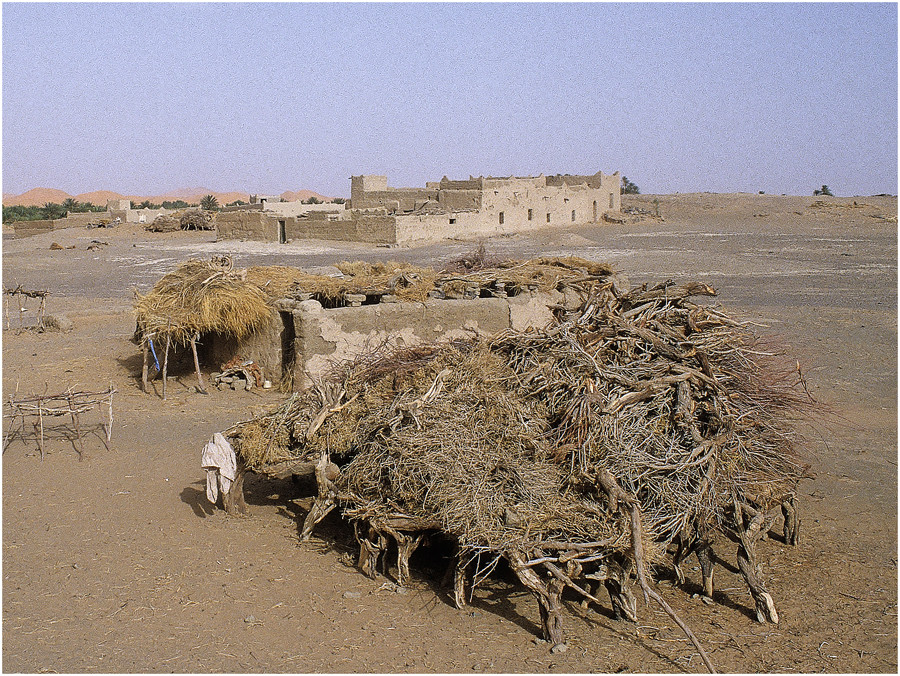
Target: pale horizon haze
(147, 98)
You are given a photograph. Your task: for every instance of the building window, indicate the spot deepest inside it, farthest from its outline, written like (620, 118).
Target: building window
(595, 210)
(548, 217)
(573, 215)
(282, 235)
(611, 204)
(501, 217)
(452, 221)
(566, 200)
(530, 214)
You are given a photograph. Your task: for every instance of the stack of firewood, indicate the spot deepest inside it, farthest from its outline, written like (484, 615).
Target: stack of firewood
(577, 454)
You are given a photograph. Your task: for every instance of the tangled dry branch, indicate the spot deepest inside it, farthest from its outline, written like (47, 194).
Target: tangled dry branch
(577, 453)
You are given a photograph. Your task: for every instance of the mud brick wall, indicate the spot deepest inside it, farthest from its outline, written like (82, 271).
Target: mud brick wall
(246, 224)
(323, 337)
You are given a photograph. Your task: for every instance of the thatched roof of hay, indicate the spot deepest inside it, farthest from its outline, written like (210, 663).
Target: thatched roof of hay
(202, 297)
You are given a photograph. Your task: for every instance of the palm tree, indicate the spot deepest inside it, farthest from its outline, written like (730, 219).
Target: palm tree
(629, 188)
(209, 203)
(70, 204)
(52, 210)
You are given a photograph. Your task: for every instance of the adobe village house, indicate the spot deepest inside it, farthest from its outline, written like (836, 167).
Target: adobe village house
(482, 206)
(307, 337)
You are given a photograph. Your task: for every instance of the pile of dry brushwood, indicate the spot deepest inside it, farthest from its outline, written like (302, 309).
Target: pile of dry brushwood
(192, 219)
(163, 223)
(197, 219)
(578, 453)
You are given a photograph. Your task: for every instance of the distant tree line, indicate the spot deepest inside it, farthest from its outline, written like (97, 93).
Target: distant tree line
(168, 204)
(629, 188)
(50, 211)
(316, 200)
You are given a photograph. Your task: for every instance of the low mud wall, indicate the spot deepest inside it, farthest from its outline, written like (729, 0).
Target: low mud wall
(309, 340)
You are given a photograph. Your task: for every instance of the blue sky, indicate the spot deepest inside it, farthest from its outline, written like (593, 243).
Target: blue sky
(147, 98)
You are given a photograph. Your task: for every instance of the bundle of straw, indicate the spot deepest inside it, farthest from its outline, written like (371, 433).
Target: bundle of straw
(202, 297)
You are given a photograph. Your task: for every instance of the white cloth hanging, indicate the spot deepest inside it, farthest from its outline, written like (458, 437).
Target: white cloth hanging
(220, 463)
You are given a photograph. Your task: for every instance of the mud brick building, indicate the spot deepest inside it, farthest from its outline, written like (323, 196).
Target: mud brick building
(478, 206)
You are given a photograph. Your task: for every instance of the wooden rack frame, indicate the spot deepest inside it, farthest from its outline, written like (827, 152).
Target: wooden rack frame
(69, 403)
(23, 294)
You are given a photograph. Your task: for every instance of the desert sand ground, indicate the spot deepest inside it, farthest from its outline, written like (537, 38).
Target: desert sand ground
(116, 562)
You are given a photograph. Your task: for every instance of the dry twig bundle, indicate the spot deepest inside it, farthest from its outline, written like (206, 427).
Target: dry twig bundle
(576, 453)
(197, 219)
(163, 223)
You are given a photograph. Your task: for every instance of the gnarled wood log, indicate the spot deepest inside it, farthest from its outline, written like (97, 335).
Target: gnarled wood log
(233, 500)
(327, 498)
(791, 521)
(548, 597)
(372, 545)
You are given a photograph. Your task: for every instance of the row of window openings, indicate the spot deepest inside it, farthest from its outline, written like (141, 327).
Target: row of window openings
(531, 213)
(531, 216)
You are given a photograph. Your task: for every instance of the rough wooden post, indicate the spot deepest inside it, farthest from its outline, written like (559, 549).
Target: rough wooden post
(553, 629)
(460, 581)
(791, 521)
(405, 548)
(706, 557)
(74, 413)
(146, 368)
(371, 546)
(202, 388)
(41, 421)
(233, 500)
(548, 597)
(165, 368)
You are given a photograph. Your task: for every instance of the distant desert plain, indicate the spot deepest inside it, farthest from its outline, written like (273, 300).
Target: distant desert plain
(116, 562)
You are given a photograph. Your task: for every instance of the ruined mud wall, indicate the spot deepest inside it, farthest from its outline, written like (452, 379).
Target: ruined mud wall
(323, 337)
(246, 224)
(435, 227)
(305, 340)
(29, 228)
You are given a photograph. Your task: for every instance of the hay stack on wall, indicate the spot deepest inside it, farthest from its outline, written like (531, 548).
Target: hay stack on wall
(202, 297)
(164, 223)
(415, 283)
(197, 219)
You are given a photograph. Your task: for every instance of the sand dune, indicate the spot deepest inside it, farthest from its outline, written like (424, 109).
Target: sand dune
(36, 197)
(300, 195)
(40, 196)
